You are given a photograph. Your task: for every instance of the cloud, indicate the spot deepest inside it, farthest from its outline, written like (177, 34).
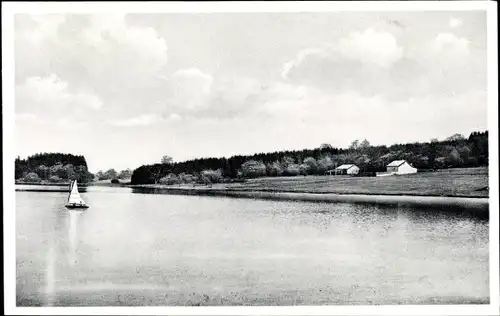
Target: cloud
(189, 89)
(373, 63)
(115, 78)
(195, 74)
(71, 123)
(301, 56)
(354, 114)
(448, 45)
(143, 120)
(101, 53)
(371, 47)
(191, 93)
(175, 117)
(50, 93)
(455, 22)
(64, 123)
(26, 118)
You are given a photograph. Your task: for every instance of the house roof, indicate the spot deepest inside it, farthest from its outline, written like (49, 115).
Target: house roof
(396, 163)
(345, 167)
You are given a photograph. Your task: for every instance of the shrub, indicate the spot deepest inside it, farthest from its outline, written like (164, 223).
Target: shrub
(115, 181)
(54, 179)
(215, 176)
(170, 179)
(312, 164)
(292, 170)
(274, 169)
(32, 177)
(186, 178)
(253, 169)
(304, 169)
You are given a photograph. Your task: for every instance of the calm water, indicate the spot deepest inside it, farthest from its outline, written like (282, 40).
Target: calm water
(145, 249)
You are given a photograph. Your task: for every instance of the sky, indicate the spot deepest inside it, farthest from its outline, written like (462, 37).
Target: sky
(125, 90)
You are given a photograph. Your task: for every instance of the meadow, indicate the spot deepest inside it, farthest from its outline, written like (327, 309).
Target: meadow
(458, 182)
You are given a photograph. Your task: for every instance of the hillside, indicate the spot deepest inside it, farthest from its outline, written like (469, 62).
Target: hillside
(454, 152)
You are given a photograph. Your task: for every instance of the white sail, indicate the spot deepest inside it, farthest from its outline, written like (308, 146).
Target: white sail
(74, 196)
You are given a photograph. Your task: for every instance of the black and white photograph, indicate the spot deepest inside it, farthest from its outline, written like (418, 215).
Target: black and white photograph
(280, 158)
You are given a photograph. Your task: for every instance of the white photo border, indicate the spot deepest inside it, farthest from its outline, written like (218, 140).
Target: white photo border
(9, 9)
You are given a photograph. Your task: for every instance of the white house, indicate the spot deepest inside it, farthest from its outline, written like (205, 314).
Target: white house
(398, 167)
(347, 169)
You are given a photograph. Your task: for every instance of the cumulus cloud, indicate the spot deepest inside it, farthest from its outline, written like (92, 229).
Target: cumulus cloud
(102, 53)
(301, 56)
(448, 45)
(174, 117)
(373, 63)
(51, 93)
(190, 89)
(371, 47)
(114, 76)
(193, 93)
(455, 22)
(204, 79)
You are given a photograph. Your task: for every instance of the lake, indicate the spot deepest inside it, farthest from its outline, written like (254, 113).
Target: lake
(153, 249)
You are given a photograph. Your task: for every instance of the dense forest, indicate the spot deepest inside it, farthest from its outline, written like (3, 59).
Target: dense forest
(454, 152)
(52, 167)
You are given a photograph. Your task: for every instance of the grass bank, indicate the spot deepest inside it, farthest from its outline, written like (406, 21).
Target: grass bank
(463, 182)
(446, 189)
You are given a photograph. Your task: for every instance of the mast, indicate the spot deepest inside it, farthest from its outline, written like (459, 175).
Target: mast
(70, 189)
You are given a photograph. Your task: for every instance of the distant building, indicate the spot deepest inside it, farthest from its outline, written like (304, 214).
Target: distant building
(347, 169)
(398, 167)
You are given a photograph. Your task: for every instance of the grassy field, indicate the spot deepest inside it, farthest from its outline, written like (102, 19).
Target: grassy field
(463, 182)
(471, 182)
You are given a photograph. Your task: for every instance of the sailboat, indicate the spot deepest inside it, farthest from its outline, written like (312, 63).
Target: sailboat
(74, 199)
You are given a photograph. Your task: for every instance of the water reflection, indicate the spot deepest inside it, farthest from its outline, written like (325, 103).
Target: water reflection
(62, 249)
(171, 250)
(50, 278)
(73, 235)
(364, 207)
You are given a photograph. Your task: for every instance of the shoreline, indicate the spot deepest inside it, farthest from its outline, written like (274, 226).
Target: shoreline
(215, 189)
(461, 202)
(443, 202)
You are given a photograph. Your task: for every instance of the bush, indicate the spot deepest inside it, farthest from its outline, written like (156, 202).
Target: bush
(115, 181)
(274, 169)
(202, 179)
(304, 169)
(170, 179)
(292, 170)
(214, 176)
(253, 169)
(54, 179)
(32, 177)
(187, 178)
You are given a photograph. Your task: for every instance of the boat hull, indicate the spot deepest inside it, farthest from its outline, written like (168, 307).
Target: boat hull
(72, 206)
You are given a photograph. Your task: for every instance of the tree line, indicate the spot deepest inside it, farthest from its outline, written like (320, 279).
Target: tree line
(112, 174)
(454, 152)
(52, 167)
